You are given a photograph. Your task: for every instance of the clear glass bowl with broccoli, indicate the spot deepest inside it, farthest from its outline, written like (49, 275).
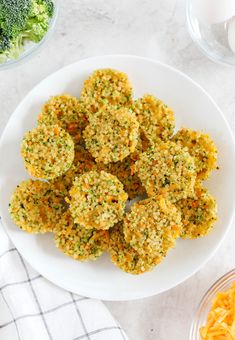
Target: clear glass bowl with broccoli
(24, 25)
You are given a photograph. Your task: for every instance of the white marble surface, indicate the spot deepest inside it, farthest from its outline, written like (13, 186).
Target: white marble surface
(155, 29)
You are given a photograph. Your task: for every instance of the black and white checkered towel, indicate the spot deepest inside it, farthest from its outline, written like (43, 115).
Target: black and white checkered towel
(32, 308)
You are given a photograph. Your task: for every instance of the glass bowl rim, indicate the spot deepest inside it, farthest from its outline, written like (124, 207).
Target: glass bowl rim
(218, 285)
(24, 56)
(206, 53)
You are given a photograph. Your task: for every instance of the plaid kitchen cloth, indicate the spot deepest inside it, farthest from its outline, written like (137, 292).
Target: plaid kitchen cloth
(32, 308)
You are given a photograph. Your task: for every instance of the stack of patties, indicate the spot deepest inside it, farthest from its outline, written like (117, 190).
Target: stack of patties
(91, 154)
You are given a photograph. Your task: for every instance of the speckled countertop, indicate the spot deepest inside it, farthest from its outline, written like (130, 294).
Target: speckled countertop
(154, 29)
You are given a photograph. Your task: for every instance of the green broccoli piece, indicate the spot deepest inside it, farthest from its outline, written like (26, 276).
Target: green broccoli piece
(13, 16)
(38, 20)
(13, 50)
(4, 42)
(49, 6)
(22, 21)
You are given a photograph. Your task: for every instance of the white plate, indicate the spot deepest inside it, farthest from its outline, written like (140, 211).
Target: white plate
(193, 108)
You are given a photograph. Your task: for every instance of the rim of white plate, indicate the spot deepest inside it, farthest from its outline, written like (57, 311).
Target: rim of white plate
(138, 294)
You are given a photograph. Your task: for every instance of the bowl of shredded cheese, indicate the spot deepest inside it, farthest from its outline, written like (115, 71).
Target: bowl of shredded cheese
(215, 316)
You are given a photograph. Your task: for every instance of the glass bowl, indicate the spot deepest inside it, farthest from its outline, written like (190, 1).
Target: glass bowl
(212, 40)
(205, 305)
(32, 48)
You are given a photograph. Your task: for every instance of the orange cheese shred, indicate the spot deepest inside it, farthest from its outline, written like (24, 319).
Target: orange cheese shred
(220, 324)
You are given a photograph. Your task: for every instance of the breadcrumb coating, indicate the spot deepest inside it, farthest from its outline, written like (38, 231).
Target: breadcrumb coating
(83, 162)
(37, 206)
(106, 87)
(201, 147)
(112, 134)
(47, 151)
(78, 242)
(97, 200)
(199, 214)
(66, 111)
(156, 119)
(152, 226)
(167, 167)
(125, 257)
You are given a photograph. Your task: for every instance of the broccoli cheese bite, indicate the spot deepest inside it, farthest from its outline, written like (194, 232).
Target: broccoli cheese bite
(83, 162)
(112, 134)
(156, 120)
(201, 147)
(125, 257)
(95, 152)
(97, 200)
(66, 111)
(123, 171)
(152, 226)
(106, 87)
(167, 167)
(78, 242)
(199, 214)
(37, 206)
(47, 151)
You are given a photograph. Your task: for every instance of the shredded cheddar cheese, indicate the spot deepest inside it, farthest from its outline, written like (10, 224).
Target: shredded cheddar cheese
(221, 318)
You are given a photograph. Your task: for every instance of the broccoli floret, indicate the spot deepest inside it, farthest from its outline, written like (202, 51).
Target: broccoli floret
(38, 21)
(10, 50)
(42, 7)
(17, 48)
(49, 6)
(21, 21)
(14, 51)
(13, 16)
(4, 42)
